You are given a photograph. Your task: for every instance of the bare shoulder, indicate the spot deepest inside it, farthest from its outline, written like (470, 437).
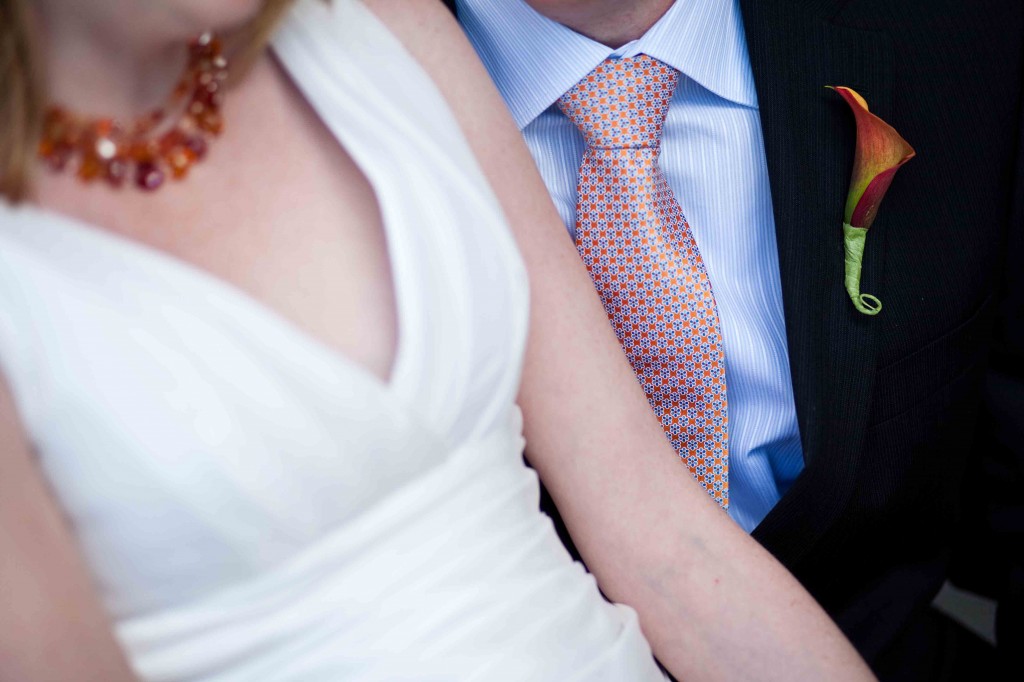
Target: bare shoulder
(434, 38)
(431, 34)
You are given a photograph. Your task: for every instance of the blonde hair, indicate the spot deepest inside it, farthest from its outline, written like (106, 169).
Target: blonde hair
(20, 102)
(22, 99)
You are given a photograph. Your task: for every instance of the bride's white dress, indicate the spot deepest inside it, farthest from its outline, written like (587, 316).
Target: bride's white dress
(252, 505)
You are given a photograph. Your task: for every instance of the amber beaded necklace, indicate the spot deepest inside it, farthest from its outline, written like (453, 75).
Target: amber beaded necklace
(166, 141)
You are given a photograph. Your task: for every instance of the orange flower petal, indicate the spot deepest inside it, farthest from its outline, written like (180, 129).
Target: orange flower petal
(879, 154)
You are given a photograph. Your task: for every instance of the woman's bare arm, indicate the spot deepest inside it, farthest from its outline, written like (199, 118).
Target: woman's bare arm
(52, 626)
(713, 603)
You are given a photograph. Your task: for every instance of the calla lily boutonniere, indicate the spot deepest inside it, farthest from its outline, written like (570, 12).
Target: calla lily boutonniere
(880, 153)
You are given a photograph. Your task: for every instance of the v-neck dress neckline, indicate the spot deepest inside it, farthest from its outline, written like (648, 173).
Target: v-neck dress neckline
(108, 250)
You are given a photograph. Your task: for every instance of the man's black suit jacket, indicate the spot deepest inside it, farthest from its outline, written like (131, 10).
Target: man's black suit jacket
(912, 422)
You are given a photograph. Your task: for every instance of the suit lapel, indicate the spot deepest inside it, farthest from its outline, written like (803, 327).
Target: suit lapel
(809, 142)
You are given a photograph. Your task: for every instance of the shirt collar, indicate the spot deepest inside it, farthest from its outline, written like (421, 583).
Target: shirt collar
(534, 60)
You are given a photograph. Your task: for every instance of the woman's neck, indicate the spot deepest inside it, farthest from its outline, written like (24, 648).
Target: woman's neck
(611, 22)
(116, 58)
(94, 65)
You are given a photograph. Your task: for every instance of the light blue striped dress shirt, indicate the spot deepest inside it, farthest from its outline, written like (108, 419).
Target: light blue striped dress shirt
(713, 156)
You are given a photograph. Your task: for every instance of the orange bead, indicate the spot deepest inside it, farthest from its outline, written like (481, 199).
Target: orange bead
(103, 127)
(143, 151)
(179, 161)
(90, 168)
(170, 141)
(211, 122)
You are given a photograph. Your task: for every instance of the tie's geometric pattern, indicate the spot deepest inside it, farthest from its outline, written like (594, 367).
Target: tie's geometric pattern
(641, 255)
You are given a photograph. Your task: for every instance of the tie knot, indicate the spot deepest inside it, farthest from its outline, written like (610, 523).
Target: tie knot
(622, 103)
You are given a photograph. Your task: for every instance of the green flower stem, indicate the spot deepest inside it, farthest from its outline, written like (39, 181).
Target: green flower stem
(854, 238)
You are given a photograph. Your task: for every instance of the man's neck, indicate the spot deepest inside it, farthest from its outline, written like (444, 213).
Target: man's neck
(611, 22)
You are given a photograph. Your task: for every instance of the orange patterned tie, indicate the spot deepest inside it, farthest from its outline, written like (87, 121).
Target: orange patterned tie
(644, 261)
